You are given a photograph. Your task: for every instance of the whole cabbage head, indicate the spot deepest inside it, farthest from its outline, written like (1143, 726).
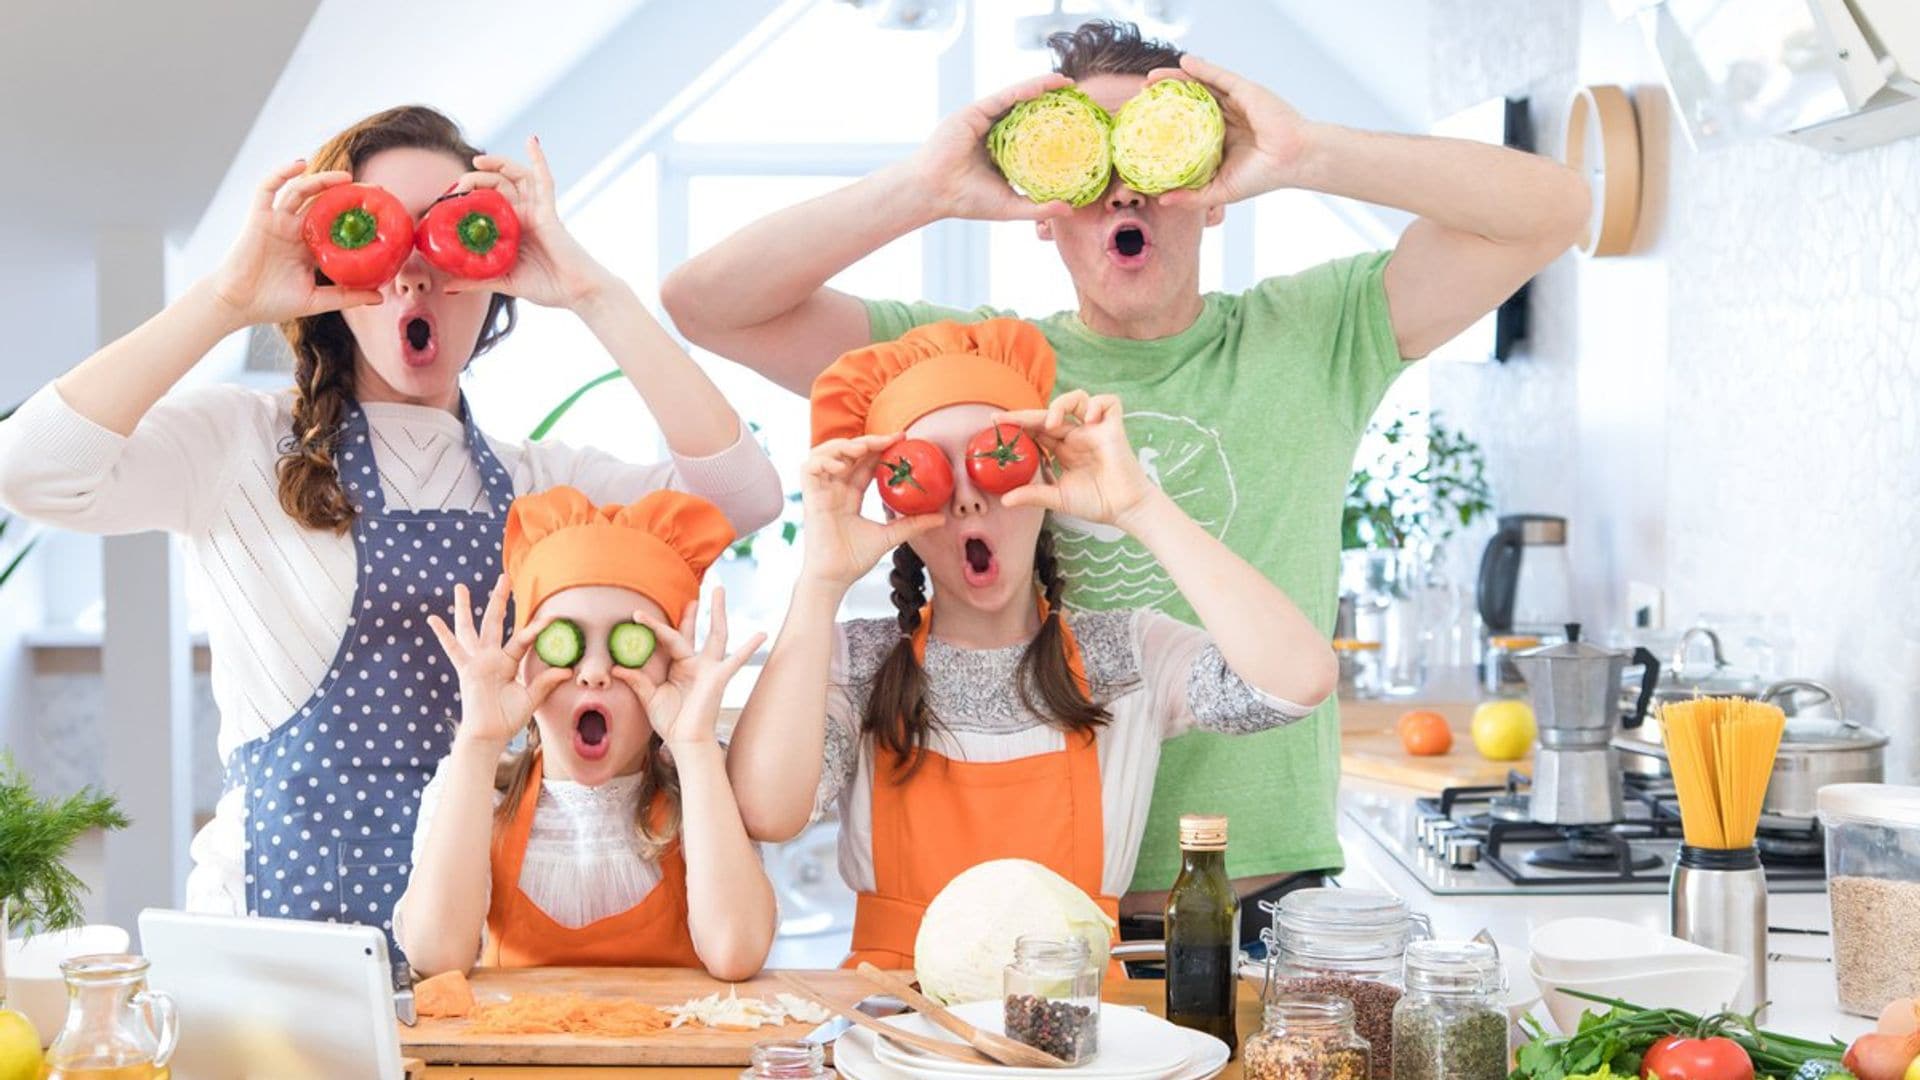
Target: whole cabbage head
(966, 938)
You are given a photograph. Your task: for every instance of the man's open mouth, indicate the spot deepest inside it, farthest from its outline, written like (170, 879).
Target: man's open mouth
(979, 565)
(590, 735)
(1127, 244)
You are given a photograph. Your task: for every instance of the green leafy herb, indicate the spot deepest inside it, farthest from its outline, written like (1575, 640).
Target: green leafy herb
(35, 836)
(1618, 1038)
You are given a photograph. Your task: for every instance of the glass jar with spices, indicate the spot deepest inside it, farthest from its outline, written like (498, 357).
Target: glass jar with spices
(1452, 1023)
(1350, 943)
(787, 1059)
(1307, 1037)
(1053, 997)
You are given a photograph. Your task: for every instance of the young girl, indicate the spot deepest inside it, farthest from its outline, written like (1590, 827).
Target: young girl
(988, 723)
(326, 521)
(613, 838)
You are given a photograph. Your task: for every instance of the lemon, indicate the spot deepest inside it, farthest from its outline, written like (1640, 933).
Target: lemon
(19, 1047)
(1503, 730)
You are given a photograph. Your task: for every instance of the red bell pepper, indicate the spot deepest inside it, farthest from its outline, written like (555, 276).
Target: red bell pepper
(473, 236)
(359, 235)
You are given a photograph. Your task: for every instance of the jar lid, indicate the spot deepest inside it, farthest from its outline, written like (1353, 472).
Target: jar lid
(1461, 967)
(1514, 641)
(1347, 644)
(1203, 832)
(1882, 804)
(1331, 908)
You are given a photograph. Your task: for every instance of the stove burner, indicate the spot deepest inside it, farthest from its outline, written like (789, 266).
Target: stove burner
(1592, 850)
(1792, 850)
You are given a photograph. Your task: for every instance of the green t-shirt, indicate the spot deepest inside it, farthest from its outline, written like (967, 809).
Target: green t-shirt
(1249, 418)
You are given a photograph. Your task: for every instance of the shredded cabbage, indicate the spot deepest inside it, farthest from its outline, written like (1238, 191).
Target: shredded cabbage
(1169, 136)
(1054, 147)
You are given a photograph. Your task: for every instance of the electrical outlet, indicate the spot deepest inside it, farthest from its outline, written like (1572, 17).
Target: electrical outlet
(1646, 606)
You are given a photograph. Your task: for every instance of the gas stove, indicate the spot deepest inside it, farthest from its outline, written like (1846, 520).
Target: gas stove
(1478, 840)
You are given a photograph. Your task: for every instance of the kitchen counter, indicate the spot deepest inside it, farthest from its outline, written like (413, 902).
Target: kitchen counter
(1802, 992)
(1143, 993)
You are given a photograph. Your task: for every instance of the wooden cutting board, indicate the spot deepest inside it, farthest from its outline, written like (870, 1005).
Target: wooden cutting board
(447, 1042)
(1378, 755)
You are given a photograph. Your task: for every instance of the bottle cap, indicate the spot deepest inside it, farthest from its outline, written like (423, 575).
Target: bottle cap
(1203, 832)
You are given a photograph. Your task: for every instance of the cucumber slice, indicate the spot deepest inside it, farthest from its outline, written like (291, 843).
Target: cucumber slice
(631, 644)
(561, 644)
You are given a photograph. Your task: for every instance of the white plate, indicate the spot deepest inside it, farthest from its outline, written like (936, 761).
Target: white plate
(1134, 1045)
(854, 1057)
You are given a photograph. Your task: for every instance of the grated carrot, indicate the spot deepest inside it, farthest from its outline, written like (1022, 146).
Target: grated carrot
(569, 1014)
(447, 994)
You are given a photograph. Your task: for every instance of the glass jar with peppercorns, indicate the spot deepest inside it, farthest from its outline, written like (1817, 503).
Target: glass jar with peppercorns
(1053, 997)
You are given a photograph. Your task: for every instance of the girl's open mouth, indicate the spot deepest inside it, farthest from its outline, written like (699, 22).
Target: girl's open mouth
(590, 740)
(978, 563)
(419, 344)
(1128, 245)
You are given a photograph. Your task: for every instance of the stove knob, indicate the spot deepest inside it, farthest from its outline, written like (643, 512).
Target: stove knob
(1463, 851)
(1438, 837)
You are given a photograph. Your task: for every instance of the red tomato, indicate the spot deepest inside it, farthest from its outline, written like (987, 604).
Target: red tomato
(914, 477)
(1002, 458)
(1425, 734)
(1682, 1058)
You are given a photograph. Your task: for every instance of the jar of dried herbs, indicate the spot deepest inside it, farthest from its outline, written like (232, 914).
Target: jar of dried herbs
(1351, 943)
(1452, 1022)
(1053, 997)
(1307, 1037)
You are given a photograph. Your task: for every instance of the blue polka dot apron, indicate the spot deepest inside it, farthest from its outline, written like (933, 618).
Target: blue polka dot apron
(331, 794)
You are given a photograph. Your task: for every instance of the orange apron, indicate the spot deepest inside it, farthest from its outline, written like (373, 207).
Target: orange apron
(952, 815)
(652, 933)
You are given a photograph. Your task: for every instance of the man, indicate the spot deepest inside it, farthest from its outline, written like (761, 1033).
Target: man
(1246, 408)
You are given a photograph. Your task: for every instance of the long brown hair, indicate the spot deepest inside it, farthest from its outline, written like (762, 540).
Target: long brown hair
(658, 776)
(323, 347)
(897, 714)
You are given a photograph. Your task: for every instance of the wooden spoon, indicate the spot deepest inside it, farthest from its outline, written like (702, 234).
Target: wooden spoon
(887, 1031)
(1006, 1051)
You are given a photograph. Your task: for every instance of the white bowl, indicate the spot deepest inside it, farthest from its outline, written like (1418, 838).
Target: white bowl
(1701, 991)
(1588, 948)
(35, 986)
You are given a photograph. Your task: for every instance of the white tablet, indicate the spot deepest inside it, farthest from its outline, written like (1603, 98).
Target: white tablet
(279, 998)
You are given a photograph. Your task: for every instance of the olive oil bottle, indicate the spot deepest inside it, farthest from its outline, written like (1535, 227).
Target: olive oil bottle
(1203, 932)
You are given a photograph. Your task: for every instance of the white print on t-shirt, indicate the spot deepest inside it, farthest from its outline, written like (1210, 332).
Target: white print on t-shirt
(1109, 569)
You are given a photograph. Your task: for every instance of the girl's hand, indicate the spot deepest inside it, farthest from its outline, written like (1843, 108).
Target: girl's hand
(684, 708)
(268, 275)
(1096, 475)
(494, 703)
(552, 269)
(841, 546)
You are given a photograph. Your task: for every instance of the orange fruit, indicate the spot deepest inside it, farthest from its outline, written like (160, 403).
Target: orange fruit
(1425, 733)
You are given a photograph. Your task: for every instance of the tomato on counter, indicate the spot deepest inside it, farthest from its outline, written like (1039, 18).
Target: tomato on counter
(1683, 1057)
(1425, 733)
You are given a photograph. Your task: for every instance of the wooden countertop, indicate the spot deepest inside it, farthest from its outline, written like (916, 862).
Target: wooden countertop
(1147, 992)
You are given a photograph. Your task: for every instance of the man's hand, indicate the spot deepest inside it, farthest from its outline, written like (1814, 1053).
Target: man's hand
(953, 169)
(1266, 142)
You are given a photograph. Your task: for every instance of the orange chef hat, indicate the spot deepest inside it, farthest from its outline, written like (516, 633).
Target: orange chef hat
(1005, 363)
(659, 547)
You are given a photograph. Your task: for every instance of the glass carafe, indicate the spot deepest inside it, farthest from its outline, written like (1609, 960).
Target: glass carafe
(116, 1028)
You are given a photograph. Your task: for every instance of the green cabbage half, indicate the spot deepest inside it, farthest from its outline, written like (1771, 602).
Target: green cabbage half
(1169, 136)
(1054, 147)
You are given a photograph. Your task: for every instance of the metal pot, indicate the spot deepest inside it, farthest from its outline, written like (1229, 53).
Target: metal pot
(1679, 681)
(1819, 747)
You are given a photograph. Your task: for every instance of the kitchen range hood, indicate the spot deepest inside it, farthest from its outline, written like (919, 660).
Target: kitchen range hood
(1837, 75)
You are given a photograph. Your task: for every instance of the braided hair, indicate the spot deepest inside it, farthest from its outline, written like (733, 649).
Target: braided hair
(897, 715)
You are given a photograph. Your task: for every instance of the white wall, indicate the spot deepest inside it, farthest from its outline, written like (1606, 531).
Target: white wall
(1733, 411)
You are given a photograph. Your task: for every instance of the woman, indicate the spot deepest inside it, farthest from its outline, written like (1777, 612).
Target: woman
(328, 522)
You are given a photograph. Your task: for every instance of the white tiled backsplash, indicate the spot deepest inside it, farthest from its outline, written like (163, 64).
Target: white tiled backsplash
(1774, 464)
